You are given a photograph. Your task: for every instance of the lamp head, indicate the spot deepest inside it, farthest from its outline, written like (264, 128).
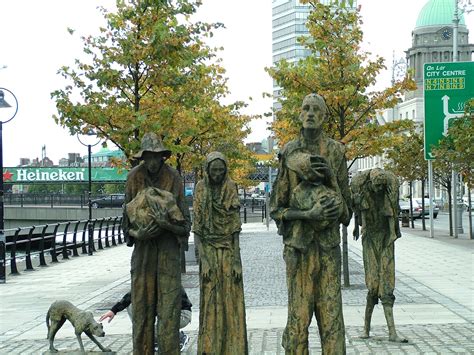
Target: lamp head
(3, 103)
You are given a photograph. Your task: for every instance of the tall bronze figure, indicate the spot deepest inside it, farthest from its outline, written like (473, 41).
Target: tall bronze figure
(375, 196)
(310, 199)
(156, 222)
(216, 226)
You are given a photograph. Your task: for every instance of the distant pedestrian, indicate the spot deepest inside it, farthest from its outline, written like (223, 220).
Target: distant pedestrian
(126, 303)
(156, 257)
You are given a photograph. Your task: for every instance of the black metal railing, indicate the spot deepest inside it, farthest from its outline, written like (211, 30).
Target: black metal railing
(253, 210)
(45, 199)
(57, 200)
(47, 243)
(64, 200)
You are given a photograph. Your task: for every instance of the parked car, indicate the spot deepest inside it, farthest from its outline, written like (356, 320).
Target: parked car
(405, 209)
(418, 208)
(427, 207)
(115, 200)
(188, 191)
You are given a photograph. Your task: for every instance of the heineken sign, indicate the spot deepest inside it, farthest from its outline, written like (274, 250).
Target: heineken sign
(32, 175)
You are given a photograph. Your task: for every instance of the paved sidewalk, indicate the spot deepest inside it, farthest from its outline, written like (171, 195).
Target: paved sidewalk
(433, 309)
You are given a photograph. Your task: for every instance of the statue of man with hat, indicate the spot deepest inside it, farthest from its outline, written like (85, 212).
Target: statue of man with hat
(154, 186)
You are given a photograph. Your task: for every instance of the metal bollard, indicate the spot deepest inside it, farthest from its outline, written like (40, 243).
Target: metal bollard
(460, 211)
(3, 258)
(405, 220)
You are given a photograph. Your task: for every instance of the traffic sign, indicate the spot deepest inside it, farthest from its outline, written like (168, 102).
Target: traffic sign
(447, 88)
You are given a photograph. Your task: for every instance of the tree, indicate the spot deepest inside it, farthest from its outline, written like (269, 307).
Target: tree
(458, 146)
(43, 188)
(150, 70)
(442, 175)
(342, 73)
(114, 188)
(456, 151)
(406, 160)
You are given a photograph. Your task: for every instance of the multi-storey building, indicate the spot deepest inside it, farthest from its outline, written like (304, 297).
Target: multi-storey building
(288, 24)
(289, 19)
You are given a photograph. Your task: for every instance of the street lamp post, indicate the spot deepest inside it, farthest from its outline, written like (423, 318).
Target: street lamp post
(89, 146)
(10, 112)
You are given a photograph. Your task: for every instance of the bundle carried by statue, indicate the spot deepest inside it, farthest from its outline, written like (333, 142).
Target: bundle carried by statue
(313, 189)
(152, 205)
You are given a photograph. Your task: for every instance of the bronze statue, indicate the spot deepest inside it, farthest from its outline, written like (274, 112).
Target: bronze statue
(310, 199)
(216, 226)
(375, 196)
(82, 321)
(156, 222)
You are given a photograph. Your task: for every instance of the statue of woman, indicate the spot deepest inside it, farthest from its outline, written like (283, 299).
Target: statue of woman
(222, 328)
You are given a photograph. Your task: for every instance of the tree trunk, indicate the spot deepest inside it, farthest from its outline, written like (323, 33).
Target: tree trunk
(450, 207)
(345, 257)
(469, 204)
(179, 158)
(423, 204)
(411, 206)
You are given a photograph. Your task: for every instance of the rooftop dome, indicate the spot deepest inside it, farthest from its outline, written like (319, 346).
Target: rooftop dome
(438, 13)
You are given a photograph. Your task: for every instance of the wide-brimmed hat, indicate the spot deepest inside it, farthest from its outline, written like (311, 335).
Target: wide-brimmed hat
(152, 143)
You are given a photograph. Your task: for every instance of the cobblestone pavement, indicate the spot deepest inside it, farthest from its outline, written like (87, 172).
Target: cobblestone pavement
(423, 339)
(433, 307)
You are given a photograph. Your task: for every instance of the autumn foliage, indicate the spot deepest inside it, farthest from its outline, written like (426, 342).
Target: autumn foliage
(344, 75)
(150, 69)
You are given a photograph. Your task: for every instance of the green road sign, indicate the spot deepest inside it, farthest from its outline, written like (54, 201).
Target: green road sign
(447, 86)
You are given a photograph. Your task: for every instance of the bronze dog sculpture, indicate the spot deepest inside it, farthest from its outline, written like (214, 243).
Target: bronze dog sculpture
(82, 321)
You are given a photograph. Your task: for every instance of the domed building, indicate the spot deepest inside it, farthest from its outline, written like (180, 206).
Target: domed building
(432, 41)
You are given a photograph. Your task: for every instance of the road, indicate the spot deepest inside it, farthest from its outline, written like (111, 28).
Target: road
(441, 224)
(433, 308)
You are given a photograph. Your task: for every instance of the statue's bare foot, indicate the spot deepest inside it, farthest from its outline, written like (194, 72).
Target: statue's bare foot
(397, 339)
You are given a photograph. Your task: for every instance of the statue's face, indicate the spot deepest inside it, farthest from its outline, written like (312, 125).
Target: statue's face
(152, 161)
(312, 113)
(378, 185)
(217, 171)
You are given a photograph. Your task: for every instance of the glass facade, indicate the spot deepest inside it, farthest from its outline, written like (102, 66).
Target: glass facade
(288, 24)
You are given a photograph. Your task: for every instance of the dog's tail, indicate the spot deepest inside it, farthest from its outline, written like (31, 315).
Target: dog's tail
(47, 323)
